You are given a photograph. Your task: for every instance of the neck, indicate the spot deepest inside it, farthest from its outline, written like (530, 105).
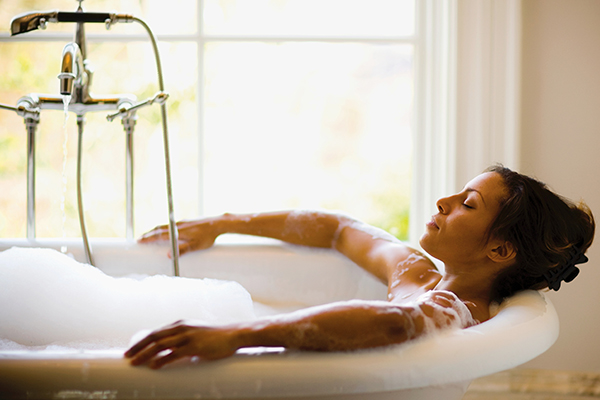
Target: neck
(472, 285)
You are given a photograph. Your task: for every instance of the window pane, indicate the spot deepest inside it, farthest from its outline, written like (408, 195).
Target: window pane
(371, 18)
(309, 125)
(178, 17)
(286, 125)
(119, 68)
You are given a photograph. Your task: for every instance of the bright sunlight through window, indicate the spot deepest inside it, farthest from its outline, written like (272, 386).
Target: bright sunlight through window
(274, 104)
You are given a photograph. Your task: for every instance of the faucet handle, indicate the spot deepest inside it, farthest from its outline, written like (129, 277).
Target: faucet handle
(126, 108)
(28, 107)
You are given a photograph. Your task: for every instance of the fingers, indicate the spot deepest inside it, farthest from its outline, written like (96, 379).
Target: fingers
(151, 338)
(192, 235)
(151, 353)
(158, 233)
(181, 340)
(161, 233)
(162, 361)
(185, 246)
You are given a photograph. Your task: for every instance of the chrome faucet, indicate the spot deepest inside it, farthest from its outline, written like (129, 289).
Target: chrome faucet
(72, 72)
(75, 80)
(76, 74)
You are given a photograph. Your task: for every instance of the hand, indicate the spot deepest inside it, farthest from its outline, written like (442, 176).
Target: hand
(192, 235)
(183, 340)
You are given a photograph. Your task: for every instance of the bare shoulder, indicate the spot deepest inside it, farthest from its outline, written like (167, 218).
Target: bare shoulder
(412, 276)
(441, 309)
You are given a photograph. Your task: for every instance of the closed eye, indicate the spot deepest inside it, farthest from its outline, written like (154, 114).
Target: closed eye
(468, 206)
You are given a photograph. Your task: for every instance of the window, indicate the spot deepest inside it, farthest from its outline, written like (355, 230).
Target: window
(273, 105)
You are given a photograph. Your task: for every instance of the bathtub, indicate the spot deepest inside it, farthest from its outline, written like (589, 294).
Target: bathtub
(438, 367)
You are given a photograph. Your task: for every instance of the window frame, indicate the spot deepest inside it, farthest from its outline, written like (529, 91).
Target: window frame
(468, 112)
(461, 124)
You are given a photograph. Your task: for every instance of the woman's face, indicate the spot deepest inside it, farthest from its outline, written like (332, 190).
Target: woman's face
(456, 233)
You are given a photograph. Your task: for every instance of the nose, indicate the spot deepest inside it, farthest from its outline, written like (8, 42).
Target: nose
(443, 205)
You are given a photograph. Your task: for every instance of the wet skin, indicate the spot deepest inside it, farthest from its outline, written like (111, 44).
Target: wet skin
(454, 235)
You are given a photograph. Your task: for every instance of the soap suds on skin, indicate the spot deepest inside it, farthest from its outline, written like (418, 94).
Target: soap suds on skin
(298, 219)
(432, 312)
(376, 233)
(49, 299)
(303, 223)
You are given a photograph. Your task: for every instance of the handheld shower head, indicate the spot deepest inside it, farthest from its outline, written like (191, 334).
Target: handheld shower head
(31, 21)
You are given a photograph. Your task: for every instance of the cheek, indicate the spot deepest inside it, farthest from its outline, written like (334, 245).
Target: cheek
(459, 238)
(466, 232)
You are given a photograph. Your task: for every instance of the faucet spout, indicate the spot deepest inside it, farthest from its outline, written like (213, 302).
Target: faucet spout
(72, 74)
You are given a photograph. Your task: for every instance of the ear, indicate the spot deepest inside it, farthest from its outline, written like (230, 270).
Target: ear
(502, 252)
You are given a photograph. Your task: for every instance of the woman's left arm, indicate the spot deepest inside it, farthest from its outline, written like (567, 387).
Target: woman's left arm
(348, 325)
(339, 326)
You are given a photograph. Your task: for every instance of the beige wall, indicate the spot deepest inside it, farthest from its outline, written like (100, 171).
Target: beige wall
(560, 126)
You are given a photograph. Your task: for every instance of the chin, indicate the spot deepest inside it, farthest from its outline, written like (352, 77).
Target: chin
(427, 247)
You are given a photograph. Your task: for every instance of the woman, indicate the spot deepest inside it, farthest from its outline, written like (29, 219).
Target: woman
(504, 232)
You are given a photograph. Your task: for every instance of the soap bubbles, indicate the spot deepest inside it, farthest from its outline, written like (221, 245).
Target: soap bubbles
(46, 297)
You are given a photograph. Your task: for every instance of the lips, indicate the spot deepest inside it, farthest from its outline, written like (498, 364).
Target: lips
(432, 223)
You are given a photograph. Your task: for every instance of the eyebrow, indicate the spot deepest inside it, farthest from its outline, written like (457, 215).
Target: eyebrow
(468, 190)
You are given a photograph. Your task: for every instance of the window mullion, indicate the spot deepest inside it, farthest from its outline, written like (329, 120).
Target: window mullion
(433, 146)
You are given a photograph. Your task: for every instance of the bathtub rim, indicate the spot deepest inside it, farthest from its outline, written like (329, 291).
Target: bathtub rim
(365, 371)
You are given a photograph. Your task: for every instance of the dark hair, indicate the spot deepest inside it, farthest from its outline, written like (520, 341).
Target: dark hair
(544, 228)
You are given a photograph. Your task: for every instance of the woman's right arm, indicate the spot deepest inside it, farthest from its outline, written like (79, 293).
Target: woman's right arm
(307, 228)
(371, 248)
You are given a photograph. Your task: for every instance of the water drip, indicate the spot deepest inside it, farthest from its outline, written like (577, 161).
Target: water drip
(66, 100)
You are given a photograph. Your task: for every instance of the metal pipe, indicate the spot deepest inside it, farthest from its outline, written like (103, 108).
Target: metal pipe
(128, 122)
(80, 29)
(7, 107)
(28, 108)
(31, 128)
(82, 106)
(129, 186)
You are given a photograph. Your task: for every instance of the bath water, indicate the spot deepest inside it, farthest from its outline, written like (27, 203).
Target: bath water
(66, 101)
(47, 298)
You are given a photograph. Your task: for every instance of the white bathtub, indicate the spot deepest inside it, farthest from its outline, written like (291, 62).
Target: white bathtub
(439, 367)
